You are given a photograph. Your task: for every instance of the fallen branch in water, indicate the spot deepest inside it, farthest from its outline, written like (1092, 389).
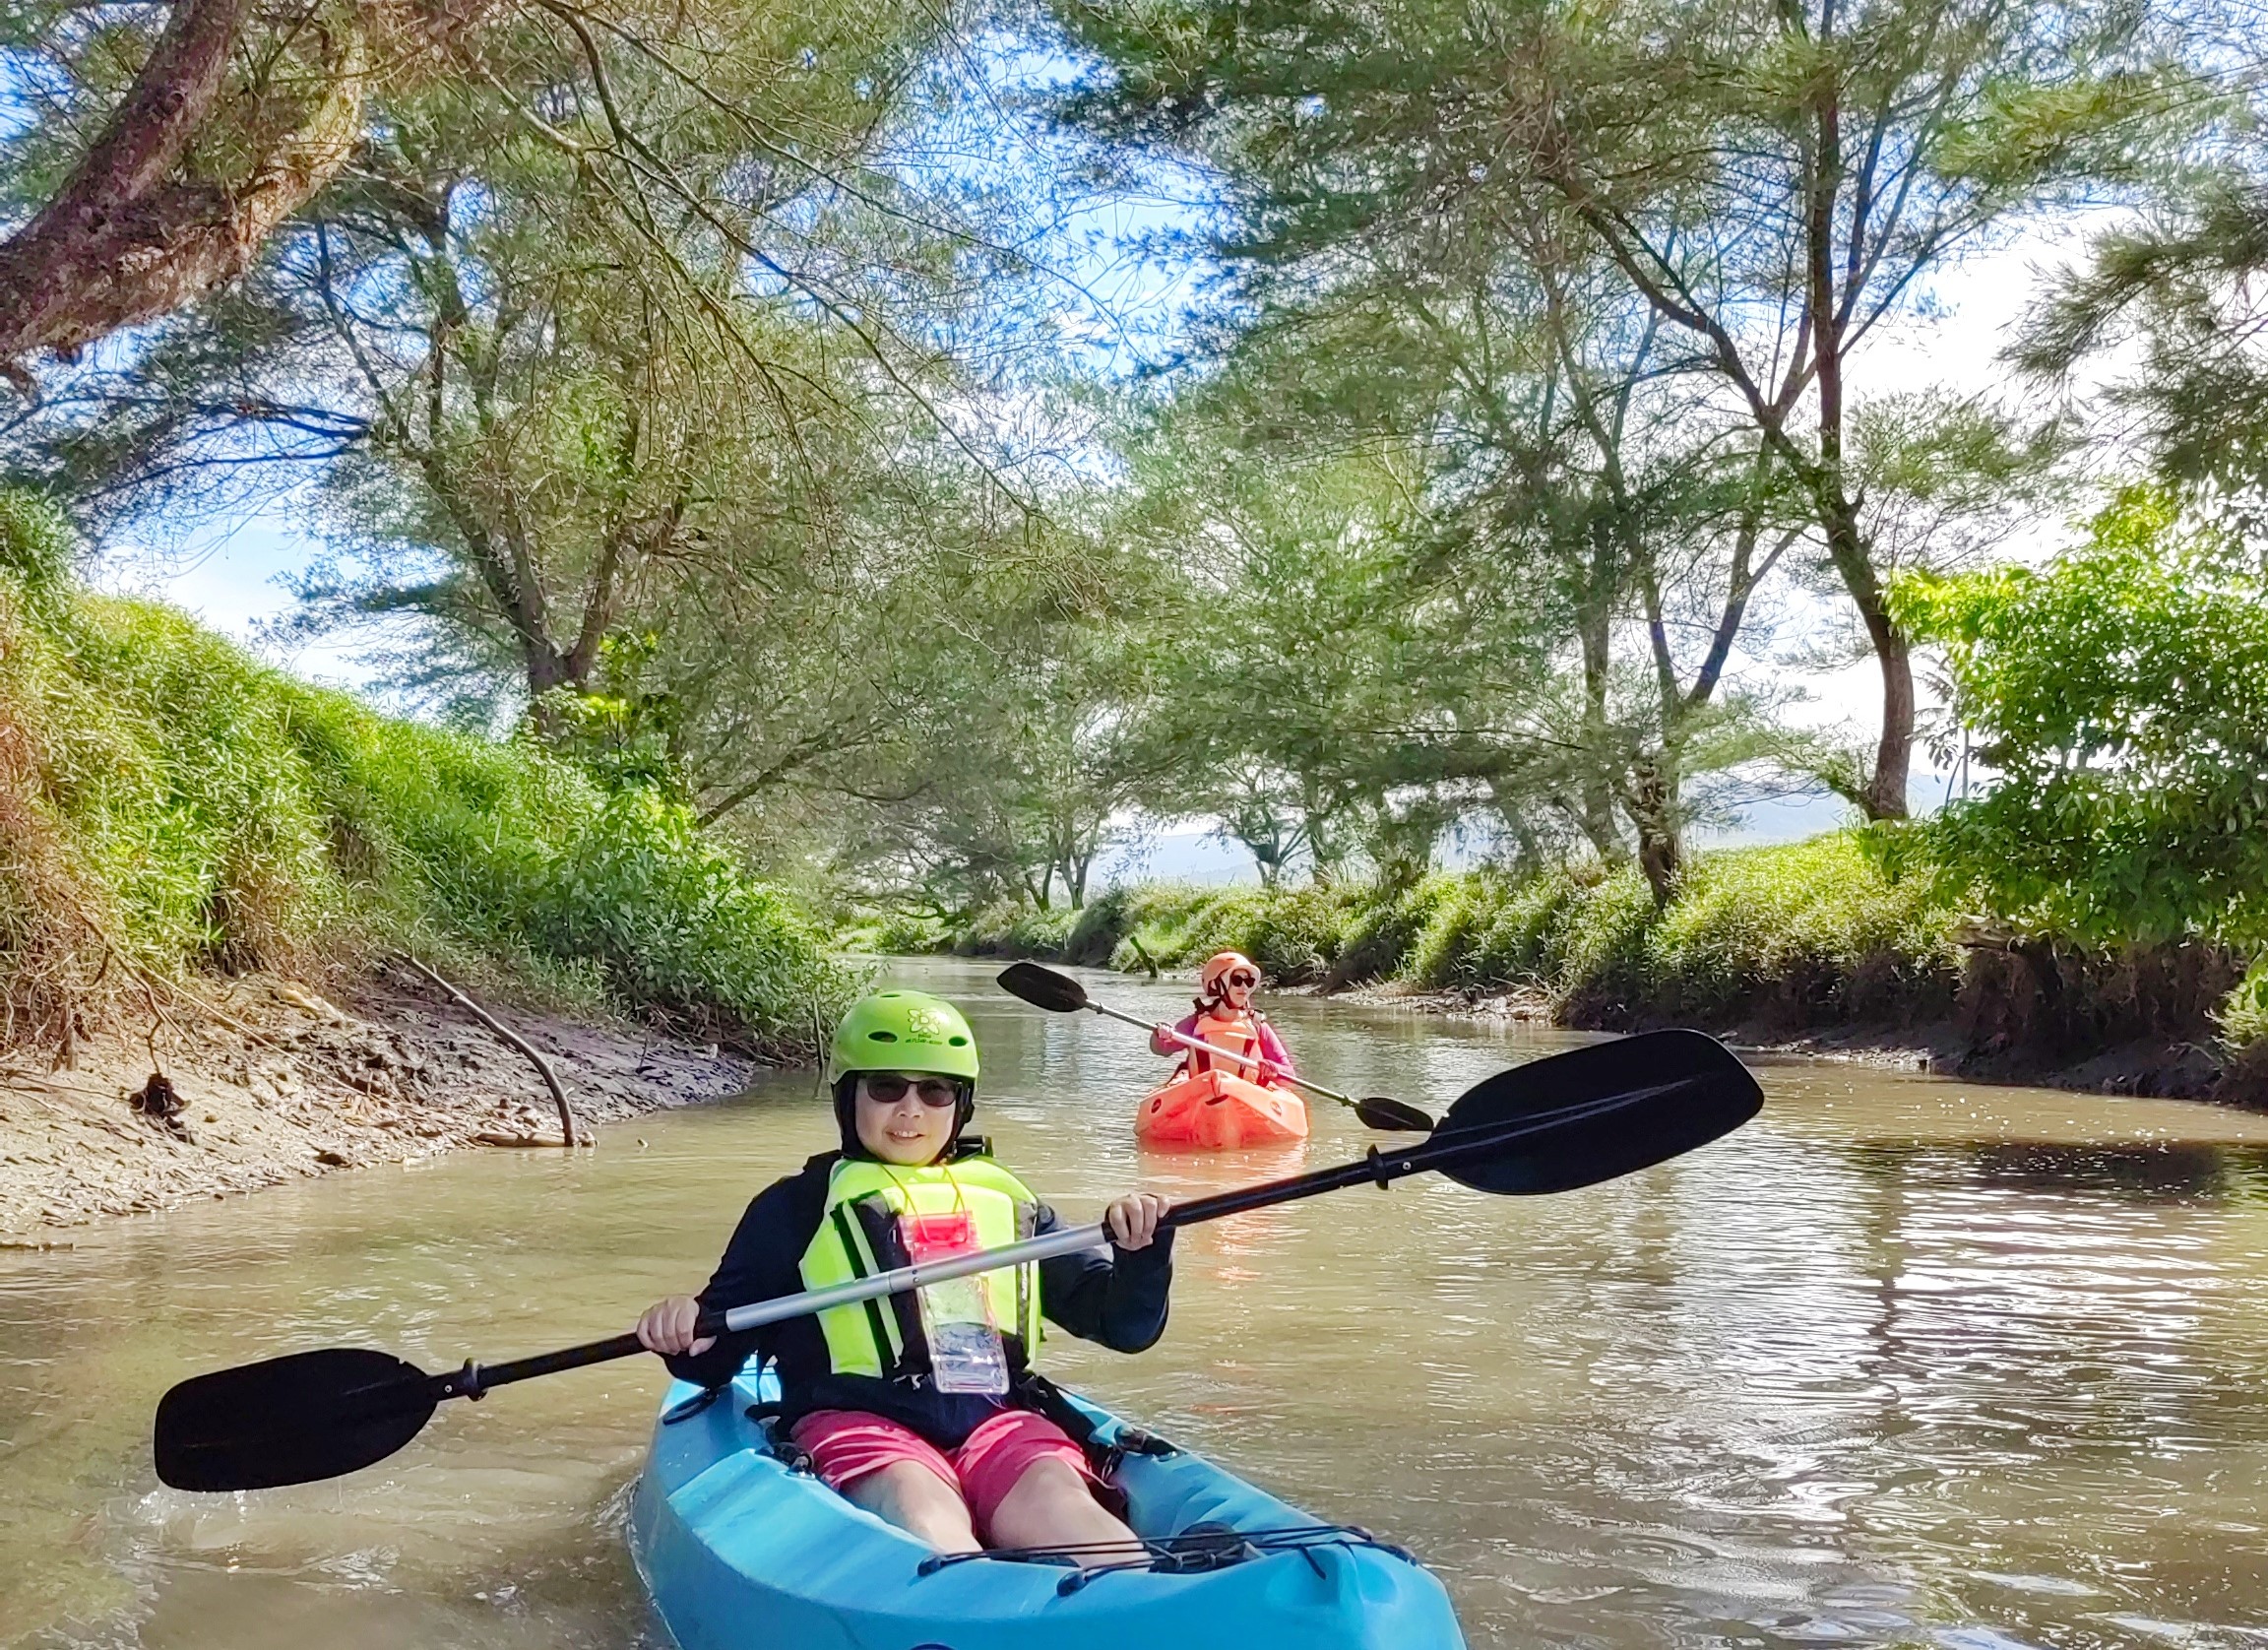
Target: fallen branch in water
(542, 1065)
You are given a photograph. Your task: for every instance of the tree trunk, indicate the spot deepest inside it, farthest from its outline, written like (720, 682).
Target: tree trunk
(1651, 805)
(1597, 795)
(130, 237)
(1884, 796)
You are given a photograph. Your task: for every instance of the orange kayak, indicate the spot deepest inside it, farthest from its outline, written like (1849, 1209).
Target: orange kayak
(1221, 1112)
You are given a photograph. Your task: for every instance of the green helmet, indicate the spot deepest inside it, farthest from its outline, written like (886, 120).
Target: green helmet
(903, 1030)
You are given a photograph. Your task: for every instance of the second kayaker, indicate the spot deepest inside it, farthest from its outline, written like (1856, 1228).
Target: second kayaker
(922, 1407)
(1225, 1017)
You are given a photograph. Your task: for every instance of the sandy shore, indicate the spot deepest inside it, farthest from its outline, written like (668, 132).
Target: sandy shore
(291, 1084)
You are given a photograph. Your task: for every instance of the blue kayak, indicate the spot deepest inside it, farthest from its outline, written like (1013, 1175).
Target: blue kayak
(740, 1550)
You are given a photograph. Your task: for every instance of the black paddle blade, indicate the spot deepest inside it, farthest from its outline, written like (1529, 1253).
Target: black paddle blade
(1608, 1109)
(1044, 988)
(292, 1419)
(1393, 1115)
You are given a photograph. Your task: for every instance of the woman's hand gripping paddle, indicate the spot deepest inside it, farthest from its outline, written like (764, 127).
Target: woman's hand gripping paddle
(1570, 1121)
(1044, 988)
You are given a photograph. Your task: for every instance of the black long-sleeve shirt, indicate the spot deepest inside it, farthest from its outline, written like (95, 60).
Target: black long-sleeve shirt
(1114, 1297)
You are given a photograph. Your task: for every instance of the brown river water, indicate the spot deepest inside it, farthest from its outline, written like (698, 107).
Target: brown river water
(1905, 1361)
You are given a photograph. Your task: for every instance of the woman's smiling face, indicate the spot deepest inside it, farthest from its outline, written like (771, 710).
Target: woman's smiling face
(914, 1126)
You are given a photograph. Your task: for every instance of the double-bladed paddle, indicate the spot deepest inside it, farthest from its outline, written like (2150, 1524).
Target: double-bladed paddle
(1569, 1121)
(1044, 988)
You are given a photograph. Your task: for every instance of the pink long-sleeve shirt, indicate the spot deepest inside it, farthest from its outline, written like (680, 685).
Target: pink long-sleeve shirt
(1271, 1047)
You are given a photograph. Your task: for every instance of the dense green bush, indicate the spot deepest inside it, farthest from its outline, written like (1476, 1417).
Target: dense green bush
(1013, 929)
(1383, 929)
(2243, 1016)
(2122, 695)
(166, 805)
(1811, 933)
(1816, 934)
(1814, 930)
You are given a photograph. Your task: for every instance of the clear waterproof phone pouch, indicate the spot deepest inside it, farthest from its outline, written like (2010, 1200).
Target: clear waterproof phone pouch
(965, 1350)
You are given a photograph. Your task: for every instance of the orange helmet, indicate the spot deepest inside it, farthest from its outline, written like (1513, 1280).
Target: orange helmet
(1219, 965)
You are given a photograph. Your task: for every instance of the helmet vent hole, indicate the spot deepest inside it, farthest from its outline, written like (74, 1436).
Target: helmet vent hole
(882, 1037)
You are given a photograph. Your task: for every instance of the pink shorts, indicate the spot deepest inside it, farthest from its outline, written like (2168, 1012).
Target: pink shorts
(847, 1445)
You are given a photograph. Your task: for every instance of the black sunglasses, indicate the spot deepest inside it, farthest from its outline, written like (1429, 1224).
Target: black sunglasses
(888, 1088)
(1247, 981)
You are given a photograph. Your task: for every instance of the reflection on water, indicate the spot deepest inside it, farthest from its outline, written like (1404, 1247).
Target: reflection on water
(1903, 1363)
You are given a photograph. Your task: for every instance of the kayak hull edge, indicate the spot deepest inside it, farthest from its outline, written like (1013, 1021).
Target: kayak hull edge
(738, 1552)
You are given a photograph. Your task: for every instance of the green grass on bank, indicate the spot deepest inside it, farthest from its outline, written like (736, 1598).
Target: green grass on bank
(1811, 934)
(168, 805)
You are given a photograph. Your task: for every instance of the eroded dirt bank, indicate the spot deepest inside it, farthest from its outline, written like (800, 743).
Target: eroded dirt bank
(281, 1081)
(2170, 1068)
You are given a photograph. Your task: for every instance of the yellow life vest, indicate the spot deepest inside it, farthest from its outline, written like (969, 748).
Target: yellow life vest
(858, 1238)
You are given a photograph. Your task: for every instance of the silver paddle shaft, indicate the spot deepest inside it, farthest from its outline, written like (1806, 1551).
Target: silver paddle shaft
(1220, 1053)
(1053, 1243)
(1046, 1246)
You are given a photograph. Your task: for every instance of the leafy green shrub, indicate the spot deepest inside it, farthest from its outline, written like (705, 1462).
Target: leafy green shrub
(1604, 972)
(167, 804)
(1098, 931)
(2243, 1015)
(675, 923)
(1013, 929)
(1292, 933)
(2122, 693)
(1165, 918)
(1518, 935)
(1456, 915)
(1813, 932)
(1387, 925)
(36, 544)
(900, 933)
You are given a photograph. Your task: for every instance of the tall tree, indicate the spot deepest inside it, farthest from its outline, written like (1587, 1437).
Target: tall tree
(158, 160)
(1774, 180)
(152, 186)
(1514, 406)
(602, 365)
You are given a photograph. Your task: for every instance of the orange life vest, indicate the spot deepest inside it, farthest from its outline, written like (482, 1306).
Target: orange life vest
(1238, 1034)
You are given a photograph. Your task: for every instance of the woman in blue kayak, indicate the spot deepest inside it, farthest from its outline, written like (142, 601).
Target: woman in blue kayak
(922, 1406)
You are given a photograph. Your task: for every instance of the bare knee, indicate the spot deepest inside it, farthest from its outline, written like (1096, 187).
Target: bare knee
(920, 1503)
(1052, 1504)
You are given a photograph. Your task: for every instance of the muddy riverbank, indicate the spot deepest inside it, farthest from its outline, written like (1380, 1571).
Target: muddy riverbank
(270, 1082)
(2169, 1068)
